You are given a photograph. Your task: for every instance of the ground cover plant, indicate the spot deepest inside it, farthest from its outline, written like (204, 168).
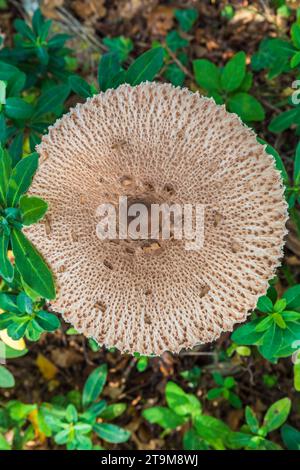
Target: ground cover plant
(59, 389)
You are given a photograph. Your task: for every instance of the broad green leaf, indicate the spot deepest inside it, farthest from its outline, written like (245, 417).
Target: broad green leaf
(31, 266)
(271, 342)
(264, 304)
(292, 297)
(4, 445)
(277, 414)
(234, 72)
(16, 108)
(32, 209)
(295, 35)
(51, 99)
(24, 303)
(21, 178)
(17, 329)
(164, 417)
(295, 60)
(3, 86)
(290, 437)
(109, 67)
(191, 441)
(80, 86)
(8, 302)
(207, 74)
(5, 172)
(71, 414)
(186, 18)
(48, 321)
(297, 376)
(145, 67)
(212, 430)
(246, 334)
(246, 106)
(238, 440)
(6, 268)
(111, 433)
(94, 385)
(113, 411)
(24, 29)
(264, 324)
(214, 393)
(178, 400)
(284, 120)
(6, 378)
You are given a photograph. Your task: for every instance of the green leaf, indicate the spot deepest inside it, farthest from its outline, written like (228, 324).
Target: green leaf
(111, 433)
(214, 393)
(234, 72)
(16, 108)
(295, 60)
(4, 445)
(296, 173)
(179, 401)
(51, 99)
(21, 178)
(283, 121)
(120, 45)
(80, 86)
(6, 268)
(207, 74)
(113, 411)
(48, 321)
(292, 297)
(17, 329)
(8, 302)
(264, 324)
(94, 385)
(295, 35)
(174, 41)
(278, 162)
(191, 441)
(109, 67)
(212, 430)
(32, 209)
(163, 416)
(24, 29)
(71, 414)
(264, 304)
(145, 67)
(174, 74)
(31, 266)
(5, 172)
(186, 18)
(6, 378)
(290, 437)
(271, 342)
(24, 303)
(277, 414)
(246, 106)
(251, 420)
(2, 92)
(246, 334)
(297, 376)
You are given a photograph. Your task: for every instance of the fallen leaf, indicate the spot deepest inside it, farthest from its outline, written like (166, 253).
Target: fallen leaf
(46, 367)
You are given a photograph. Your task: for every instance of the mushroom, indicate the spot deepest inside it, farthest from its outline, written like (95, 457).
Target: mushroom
(157, 144)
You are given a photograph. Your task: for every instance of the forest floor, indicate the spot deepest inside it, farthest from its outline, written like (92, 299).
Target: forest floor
(61, 362)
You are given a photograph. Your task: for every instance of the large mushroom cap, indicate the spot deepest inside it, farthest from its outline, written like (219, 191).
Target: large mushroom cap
(155, 142)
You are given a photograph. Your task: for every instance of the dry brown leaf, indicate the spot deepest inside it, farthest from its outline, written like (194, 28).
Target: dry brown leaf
(65, 358)
(88, 8)
(161, 20)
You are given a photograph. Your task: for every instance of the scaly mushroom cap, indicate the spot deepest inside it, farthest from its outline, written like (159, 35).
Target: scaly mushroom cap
(157, 143)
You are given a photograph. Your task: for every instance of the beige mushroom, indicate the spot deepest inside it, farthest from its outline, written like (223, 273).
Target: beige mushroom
(157, 143)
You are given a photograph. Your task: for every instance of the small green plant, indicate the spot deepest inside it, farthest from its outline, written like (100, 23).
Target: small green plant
(73, 423)
(277, 328)
(23, 317)
(253, 436)
(225, 389)
(184, 409)
(230, 86)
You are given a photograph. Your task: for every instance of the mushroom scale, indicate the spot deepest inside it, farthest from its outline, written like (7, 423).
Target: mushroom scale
(157, 143)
